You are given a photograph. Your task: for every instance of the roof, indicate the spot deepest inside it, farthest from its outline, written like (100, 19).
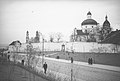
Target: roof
(89, 22)
(89, 13)
(14, 42)
(79, 32)
(113, 37)
(106, 22)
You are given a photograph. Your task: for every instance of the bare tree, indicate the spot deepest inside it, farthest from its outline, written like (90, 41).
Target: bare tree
(58, 36)
(52, 36)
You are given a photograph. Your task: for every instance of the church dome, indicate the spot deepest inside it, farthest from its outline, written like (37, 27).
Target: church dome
(106, 22)
(89, 22)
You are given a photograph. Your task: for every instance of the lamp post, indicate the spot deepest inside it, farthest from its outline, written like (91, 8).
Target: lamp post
(43, 52)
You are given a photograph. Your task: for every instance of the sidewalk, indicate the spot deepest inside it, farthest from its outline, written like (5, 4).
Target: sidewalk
(11, 72)
(107, 67)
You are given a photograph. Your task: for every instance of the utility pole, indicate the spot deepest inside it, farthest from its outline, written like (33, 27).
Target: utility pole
(43, 52)
(71, 69)
(71, 74)
(74, 35)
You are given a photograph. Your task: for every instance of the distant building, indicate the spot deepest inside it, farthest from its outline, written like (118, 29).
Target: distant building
(14, 46)
(79, 35)
(35, 39)
(91, 30)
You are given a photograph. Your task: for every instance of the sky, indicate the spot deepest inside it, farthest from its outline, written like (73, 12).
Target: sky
(50, 16)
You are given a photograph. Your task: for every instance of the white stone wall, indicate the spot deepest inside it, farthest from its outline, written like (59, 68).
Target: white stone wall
(75, 46)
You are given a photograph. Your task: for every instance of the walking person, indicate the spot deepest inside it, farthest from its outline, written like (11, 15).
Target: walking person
(89, 61)
(22, 62)
(45, 67)
(8, 57)
(71, 59)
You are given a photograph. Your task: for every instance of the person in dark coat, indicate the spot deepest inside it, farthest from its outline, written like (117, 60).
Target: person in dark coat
(45, 67)
(22, 62)
(89, 61)
(8, 57)
(71, 59)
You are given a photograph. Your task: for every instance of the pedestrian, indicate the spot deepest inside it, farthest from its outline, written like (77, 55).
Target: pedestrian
(45, 67)
(8, 57)
(71, 59)
(22, 62)
(89, 61)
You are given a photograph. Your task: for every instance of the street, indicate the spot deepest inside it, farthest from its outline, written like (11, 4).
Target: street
(83, 72)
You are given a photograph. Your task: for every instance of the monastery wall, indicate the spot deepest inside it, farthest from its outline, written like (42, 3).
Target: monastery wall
(72, 46)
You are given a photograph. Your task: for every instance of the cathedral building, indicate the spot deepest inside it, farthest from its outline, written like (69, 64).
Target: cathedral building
(91, 31)
(35, 39)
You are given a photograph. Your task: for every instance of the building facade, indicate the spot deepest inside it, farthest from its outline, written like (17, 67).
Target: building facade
(35, 39)
(91, 30)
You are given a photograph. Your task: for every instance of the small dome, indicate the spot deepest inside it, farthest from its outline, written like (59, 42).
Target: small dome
(89, 22)
(106, 22)
(89, 13)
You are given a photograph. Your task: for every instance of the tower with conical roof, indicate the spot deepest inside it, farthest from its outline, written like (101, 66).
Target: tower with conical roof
(106, 27)
(106, 22)
(27, 37)
(37, 40)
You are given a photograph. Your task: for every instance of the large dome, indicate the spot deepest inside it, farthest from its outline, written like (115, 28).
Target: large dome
(89, 22)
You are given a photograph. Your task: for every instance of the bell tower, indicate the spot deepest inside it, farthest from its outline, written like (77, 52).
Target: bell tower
(106, 27)
(27, 37)
(37, 39)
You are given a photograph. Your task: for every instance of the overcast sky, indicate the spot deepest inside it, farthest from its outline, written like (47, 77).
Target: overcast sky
(16, 17)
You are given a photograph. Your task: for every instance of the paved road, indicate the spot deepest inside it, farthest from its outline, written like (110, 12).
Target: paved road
(82, 71)
(9, 72)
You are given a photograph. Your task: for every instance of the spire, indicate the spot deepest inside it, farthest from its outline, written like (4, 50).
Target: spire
(89, 13)
(27, 34)
(106, 17)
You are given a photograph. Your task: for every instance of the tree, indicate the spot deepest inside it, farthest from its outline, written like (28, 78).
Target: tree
(52, 36)
(29, 52)
(58, 36)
